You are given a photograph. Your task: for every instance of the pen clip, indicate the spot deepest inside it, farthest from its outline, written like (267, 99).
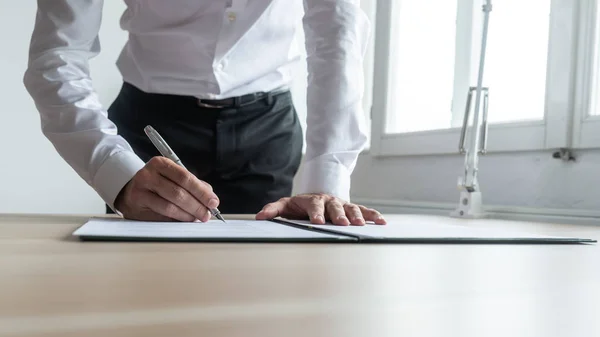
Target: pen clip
(169, 153)
(160, 144)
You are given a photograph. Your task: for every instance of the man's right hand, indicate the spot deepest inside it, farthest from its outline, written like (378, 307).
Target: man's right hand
(165, 191)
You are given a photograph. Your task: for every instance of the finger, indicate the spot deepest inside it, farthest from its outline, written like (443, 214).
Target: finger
(147, 215)
(272, 210)
(201, 190)
(370, 214)
(315, 209)
(180, 197)
(354, 213)
(163, 207)
(336, 213)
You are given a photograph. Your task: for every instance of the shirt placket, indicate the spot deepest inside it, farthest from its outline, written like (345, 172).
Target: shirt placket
(233, 8)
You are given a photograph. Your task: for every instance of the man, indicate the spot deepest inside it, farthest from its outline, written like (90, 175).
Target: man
(211, 76)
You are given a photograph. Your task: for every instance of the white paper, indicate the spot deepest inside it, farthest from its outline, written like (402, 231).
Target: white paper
(213, 229)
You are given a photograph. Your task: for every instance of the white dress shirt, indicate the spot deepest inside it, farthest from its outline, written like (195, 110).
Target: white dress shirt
(208, 49)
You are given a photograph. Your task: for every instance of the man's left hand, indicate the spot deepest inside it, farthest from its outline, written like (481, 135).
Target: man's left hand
(320, 208)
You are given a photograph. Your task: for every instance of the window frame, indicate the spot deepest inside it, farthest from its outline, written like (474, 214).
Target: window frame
(553, 132)
(586, 127)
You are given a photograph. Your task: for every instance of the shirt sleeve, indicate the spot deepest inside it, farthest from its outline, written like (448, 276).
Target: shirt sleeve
(336, 38)
(64, 39)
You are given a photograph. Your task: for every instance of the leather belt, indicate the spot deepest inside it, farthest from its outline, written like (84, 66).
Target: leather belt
(235, 102)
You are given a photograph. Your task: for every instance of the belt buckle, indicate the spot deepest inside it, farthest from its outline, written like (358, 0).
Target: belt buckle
(252, 98)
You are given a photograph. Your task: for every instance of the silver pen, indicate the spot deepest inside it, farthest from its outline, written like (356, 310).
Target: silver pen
(166, 151)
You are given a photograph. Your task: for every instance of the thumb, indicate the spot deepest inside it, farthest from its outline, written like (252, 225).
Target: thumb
(272, 210)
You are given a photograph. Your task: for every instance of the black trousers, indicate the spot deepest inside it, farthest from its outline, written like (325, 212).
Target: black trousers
(249, 154)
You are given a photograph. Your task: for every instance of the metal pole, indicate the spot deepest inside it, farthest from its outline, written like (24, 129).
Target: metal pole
(470, 203)
(472, 159)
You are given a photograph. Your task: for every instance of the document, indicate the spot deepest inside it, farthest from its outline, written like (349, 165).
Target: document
(213, 230)
(431, 230)
(409, 229)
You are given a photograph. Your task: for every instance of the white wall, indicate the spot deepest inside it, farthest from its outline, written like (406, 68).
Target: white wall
(33, 177)
(532, 179)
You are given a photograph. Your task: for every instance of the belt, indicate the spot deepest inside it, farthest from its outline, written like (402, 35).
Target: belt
(235, 102)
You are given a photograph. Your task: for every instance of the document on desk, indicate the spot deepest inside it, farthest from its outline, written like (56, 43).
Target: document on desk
(213, 230)
(409, 229)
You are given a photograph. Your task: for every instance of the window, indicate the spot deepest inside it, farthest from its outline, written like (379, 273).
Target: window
(516, 60)
(594, 107)
(422, 66)
(427, 57)
(586, 119)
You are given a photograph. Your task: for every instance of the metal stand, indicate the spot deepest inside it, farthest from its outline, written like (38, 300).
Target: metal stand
(470, 203)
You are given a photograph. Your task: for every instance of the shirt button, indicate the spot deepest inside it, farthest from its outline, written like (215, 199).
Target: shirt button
(220, 66)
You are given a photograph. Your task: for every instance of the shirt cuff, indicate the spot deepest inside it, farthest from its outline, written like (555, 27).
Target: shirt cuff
(114, 174)
(325, 177)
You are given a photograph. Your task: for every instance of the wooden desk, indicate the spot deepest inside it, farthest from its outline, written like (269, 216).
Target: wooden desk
(52, 285)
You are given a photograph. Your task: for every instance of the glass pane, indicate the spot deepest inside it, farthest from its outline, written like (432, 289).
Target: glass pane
(595, 108)
(516, 59)
(422, 66)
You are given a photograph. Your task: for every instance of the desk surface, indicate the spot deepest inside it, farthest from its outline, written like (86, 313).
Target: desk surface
(52, 285)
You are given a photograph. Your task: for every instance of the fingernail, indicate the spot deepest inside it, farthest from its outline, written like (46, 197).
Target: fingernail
(342, 217)
(213, 203)
(319, 218)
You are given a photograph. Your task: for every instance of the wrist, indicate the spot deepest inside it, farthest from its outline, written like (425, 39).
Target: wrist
(114, 175)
